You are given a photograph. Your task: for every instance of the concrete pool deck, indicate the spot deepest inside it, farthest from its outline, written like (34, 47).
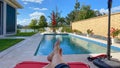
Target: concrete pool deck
(25, 50)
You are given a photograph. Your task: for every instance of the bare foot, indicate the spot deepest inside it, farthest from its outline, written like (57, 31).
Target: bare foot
(60, 51)
(49, 57)
(56, 48)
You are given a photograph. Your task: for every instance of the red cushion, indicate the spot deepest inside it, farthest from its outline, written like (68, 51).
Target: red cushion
(31, 64)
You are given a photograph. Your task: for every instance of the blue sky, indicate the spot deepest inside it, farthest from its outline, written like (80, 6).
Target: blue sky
(35, 8)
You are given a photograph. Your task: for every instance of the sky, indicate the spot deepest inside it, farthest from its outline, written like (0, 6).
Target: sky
(33, 9)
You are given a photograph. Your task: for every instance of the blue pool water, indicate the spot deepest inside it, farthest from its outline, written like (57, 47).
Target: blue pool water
(72, 45)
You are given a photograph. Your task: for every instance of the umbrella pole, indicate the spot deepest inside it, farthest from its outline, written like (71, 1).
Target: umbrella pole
(109, 24)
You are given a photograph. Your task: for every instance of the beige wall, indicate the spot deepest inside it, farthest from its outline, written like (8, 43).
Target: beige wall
(98, 24)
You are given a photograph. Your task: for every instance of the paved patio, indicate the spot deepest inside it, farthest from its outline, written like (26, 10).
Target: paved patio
(25, 50)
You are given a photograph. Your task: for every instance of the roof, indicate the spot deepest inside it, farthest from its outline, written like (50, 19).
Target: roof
(14, 3)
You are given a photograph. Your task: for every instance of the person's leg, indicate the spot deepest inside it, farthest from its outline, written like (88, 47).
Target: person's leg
(56, 59)
(50, 56)
(48, 66)
(53, 63)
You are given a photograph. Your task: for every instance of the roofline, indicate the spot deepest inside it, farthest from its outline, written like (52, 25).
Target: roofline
(14, 3)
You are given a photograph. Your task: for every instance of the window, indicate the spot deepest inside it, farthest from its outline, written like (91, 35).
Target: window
(11, 19)
(1, 18)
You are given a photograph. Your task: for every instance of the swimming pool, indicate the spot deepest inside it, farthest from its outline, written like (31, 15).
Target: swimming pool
(72, 44)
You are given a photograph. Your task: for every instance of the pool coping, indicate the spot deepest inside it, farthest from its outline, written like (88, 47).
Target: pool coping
(98, 40)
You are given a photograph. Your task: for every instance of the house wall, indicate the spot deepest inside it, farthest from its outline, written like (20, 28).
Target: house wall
(7, 18)
(98, 24)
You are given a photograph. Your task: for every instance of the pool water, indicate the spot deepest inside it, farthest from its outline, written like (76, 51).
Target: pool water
(71, 45)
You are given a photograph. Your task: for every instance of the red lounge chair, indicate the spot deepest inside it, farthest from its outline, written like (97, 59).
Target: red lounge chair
(91, 58)
(31, 64)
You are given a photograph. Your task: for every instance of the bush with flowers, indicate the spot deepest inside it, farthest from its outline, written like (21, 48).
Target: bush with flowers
(89, 31)
(114, 32)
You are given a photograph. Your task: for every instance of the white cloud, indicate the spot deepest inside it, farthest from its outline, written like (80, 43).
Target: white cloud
(34, 1)
(114, 9)
(40, 9)
(23, 22)
(103, 10)
(36, 15)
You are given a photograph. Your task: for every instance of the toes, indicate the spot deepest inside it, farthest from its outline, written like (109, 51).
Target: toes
(61, 51)
(49, 58)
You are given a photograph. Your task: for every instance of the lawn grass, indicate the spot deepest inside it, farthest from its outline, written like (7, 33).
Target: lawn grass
(25, 34)
(6, 43)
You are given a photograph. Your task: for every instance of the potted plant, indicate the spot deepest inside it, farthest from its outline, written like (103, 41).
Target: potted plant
(89, 32)
(114, 34)
(75, 31)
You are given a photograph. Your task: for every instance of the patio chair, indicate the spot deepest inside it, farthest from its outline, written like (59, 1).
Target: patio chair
(91, 58)
(32, 64)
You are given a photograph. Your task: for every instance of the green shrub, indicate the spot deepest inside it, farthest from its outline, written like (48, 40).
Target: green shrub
(25, 34)
(76, 31)
(79, 32)
(41, 29)
(89, 31)
(114, 32)
(56, 28)
(18, 31)
(66, 29)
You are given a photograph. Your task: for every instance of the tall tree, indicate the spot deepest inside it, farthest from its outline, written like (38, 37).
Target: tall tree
(33, 24)
(53, 19)
(54, 22)
(61, 21)
(42, 22)
(58, 18)
(77, 8)
(70, 17)
(86, 12)
(73, 15)
(77, 5)
(98, 13)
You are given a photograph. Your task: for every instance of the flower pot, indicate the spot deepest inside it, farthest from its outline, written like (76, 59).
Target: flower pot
(88, 35)
(114, 40)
